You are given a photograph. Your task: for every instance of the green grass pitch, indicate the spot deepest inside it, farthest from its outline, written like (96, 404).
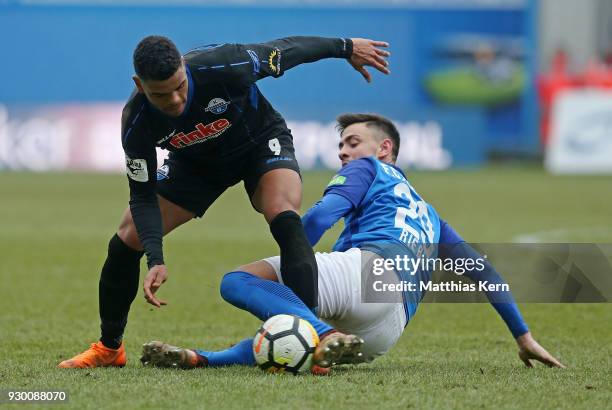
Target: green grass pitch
(53, 237)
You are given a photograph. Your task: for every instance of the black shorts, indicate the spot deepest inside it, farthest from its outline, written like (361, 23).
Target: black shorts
(195, 188)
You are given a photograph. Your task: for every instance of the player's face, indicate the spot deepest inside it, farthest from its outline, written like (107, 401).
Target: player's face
(357, 141)
(169, 96)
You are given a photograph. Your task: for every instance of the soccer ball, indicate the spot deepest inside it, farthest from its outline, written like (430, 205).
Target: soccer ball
(285, 343)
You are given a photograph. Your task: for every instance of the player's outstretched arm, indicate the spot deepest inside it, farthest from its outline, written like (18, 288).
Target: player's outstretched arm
(453, 246)
(529, 350)
(344, 193)
(246, 63)
(323, 215)
(368, 52)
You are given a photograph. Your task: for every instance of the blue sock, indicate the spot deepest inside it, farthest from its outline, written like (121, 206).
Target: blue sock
(241, 354)
(265, 298)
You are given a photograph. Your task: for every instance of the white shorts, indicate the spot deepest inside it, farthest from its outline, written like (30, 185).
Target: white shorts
(380, 325)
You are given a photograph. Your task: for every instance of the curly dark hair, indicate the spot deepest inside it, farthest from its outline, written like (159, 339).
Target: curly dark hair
(383, 124)
(156, 58)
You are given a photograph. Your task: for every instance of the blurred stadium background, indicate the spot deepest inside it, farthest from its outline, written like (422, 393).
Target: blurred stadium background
(472, 79)
(500, 103)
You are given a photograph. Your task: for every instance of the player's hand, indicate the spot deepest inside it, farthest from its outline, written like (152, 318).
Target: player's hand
(157, 275)
(368, 53)
(529, 349)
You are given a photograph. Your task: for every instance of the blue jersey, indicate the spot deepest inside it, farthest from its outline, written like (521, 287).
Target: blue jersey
(386, 208)
(384, 214)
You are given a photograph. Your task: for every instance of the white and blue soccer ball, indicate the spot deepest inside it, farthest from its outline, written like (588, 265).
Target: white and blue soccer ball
(285, 343)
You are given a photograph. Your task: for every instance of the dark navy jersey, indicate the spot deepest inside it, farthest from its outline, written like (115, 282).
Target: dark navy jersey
(225, 116)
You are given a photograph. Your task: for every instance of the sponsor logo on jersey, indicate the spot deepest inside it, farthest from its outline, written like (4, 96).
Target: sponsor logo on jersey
(162, 172)
(202, 133)
(166, 138)
(137, 169)
(274, 61)
(276, 159)
(337, 180)
(217, 106)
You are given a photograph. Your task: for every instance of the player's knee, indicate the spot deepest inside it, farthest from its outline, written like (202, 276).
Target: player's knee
(232, 287)
(275, 210)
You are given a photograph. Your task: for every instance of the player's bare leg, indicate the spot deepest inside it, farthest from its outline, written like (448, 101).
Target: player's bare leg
(119, 285)
(278, 190)
(172, 216)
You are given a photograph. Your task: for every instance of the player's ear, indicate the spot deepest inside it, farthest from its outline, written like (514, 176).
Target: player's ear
(138, 83)
(385, 148)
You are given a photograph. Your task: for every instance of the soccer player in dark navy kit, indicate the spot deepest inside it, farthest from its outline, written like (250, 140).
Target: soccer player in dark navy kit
(206, 110)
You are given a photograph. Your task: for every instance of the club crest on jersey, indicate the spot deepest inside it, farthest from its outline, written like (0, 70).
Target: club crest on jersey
(137, 169)
(217, 106)
(202, 133)
(162, 172)
(274, 61)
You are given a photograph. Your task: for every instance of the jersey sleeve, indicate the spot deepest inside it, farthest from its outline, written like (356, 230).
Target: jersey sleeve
(448, 235)
(141, 166)
(502, 302)
(247, 63)
(323, 215)
(353, 181)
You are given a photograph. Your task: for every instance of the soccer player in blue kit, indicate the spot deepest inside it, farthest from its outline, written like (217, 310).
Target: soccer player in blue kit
(384, 217)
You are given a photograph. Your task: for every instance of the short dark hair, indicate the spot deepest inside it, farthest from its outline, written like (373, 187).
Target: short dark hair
(156, 58)
(372, 120)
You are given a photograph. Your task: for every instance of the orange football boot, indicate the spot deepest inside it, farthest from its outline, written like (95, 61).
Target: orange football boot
(97, 355)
